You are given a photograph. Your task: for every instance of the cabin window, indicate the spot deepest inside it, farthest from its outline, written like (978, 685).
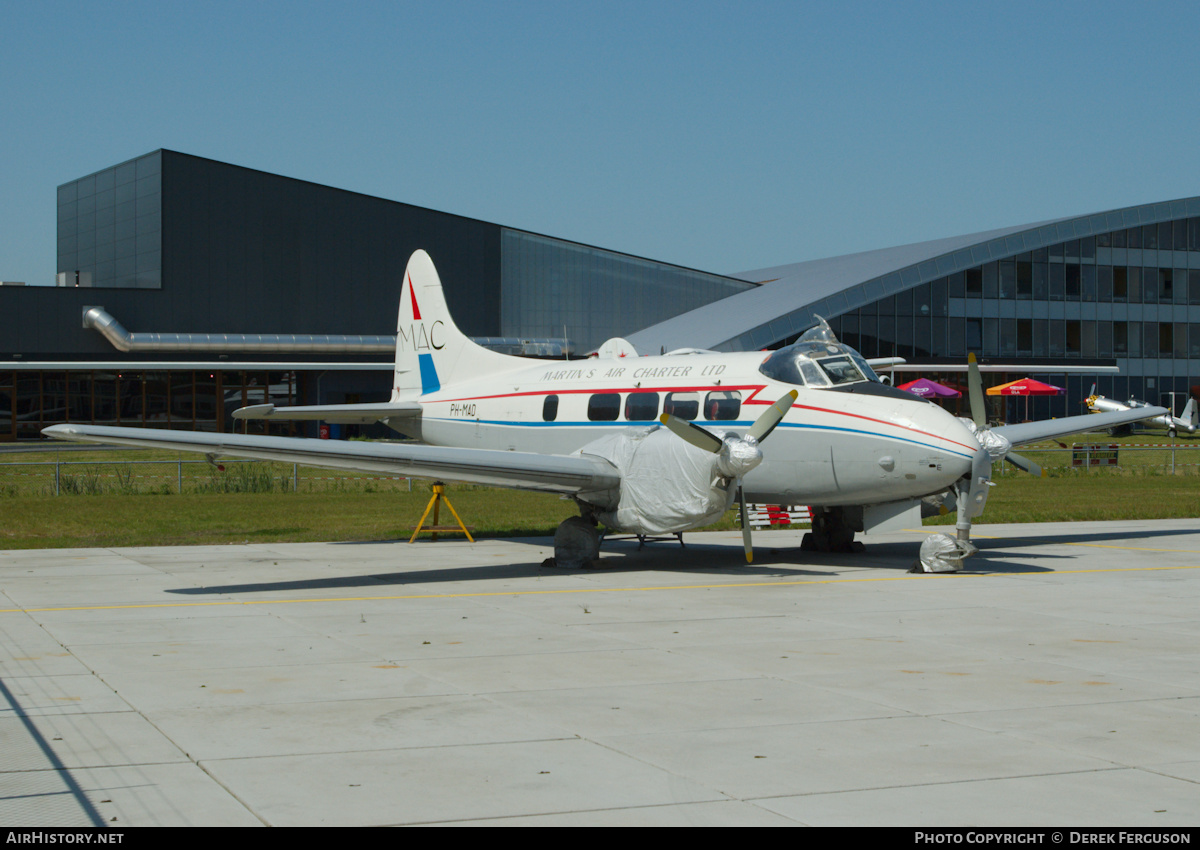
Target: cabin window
(604, 407)
(724, 405)
(550, 408)
(682, 405)
(641, 407)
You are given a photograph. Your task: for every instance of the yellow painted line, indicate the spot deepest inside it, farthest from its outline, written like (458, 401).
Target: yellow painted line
(579, 590)
(1136, 548)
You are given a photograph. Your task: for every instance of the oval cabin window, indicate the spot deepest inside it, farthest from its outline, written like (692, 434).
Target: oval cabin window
(641, 407)
(604, 407)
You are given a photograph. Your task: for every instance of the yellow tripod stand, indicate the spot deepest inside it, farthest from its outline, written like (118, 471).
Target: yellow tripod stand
(435, 501)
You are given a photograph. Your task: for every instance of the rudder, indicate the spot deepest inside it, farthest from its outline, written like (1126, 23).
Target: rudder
(430, 349)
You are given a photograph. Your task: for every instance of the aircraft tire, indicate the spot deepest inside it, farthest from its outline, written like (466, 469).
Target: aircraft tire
(576, 543)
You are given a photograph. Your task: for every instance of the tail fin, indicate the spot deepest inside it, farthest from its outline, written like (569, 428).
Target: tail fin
(430, 349)
(1190, 413)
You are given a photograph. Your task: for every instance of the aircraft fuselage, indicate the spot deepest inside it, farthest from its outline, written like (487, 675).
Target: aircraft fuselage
(858, 444)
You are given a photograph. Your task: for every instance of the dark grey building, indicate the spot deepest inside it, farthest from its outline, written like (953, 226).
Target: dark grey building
(233, 281)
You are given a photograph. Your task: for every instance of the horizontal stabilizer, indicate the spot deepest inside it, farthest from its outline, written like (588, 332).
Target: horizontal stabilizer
(348, 414)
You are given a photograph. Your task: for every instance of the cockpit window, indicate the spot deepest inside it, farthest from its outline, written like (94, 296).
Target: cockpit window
(864, 367)
(841, 370)
(813, 376)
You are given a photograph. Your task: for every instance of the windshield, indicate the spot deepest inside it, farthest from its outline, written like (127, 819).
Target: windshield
(817, 364)
(841, 370)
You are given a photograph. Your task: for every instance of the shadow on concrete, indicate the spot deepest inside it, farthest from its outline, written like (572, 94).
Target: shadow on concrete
(724, 559)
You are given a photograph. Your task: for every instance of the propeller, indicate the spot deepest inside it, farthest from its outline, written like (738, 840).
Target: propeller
(739, 455)
(979, 416)
(972, 495)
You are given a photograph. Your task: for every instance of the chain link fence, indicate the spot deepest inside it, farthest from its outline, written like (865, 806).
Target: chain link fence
(183, 476)
(1100, 455)
(249, 476)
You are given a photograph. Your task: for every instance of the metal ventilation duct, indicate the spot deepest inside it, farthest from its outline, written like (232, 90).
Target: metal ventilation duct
(97, 318)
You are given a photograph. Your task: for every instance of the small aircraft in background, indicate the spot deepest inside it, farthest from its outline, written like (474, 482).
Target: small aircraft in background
(655, 445)
(1185, 423)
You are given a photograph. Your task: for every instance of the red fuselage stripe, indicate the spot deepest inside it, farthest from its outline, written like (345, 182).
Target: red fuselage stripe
(709, 388)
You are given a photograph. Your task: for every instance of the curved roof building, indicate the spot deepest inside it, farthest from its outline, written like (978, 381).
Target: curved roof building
(1120, 287)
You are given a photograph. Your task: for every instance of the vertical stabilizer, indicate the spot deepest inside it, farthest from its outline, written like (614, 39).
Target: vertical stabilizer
(431, 351)
(1190, 414)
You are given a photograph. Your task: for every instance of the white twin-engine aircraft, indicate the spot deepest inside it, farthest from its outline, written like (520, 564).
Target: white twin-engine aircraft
(865, 456)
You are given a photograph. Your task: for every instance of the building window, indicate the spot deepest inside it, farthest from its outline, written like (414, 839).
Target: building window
(1025, 336)
(1072, 281)
(1073, 341)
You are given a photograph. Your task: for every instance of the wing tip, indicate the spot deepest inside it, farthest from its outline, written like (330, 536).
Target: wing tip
(254, 411)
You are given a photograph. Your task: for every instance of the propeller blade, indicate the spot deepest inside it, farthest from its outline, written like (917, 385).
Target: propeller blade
(1025, 464)
(771, 417)
(694, 434)
(975, 384)
(745, 525)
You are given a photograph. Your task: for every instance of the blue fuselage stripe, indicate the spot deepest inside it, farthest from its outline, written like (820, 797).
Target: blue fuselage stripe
(716, 425)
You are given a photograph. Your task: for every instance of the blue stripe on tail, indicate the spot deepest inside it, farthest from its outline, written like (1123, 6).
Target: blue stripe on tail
(429, 378)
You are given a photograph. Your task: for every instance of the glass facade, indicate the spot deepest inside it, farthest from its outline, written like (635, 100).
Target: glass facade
(1096, 299)
(183, 400)
(110, 227)
(549, 287)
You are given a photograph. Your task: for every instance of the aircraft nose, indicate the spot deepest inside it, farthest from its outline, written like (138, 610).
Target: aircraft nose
(959, 444)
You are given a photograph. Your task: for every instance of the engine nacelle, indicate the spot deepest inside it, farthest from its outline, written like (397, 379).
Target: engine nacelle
(667, 484)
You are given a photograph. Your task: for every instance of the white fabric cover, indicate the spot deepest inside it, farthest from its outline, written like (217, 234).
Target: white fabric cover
(576, 543)
(996, 445)
(667, 484)
(941, 553)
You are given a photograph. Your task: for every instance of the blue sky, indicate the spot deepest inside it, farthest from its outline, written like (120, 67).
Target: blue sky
(723, 136)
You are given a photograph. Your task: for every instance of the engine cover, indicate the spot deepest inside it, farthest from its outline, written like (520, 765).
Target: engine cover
(667, 484)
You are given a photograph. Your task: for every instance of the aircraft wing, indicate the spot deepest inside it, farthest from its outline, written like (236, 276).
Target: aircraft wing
(566, 474)
(348, 414)
(1029, 432)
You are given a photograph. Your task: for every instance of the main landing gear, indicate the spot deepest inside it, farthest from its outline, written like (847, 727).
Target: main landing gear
(576, 544)
(832, 531)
